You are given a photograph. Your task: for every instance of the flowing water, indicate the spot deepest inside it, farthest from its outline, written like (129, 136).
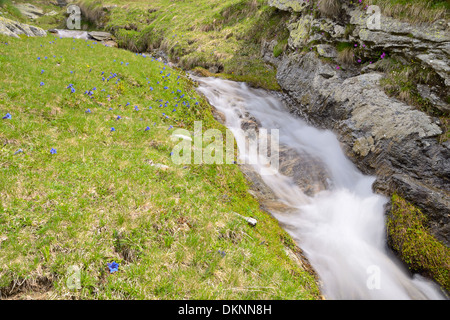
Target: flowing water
(340, 229)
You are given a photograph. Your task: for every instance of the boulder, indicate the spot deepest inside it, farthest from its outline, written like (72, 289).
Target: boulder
(14, 29)
(29, 10)
(100, 35)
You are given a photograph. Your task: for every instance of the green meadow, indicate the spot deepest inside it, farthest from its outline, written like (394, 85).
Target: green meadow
(76, 192)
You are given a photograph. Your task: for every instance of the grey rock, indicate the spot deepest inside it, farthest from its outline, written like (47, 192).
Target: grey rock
(326, 50)
(100, 35)
(14, 29)
(294, 5)
(29, 10)
(383, 136)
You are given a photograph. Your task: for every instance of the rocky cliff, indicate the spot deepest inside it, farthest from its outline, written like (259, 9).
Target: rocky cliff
(384, 136)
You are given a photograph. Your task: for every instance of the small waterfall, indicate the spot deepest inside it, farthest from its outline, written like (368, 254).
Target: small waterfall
(341, 228)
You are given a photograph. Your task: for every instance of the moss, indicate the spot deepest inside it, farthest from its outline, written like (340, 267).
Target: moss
(410, 237)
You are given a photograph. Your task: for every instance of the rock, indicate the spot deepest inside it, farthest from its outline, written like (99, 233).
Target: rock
(295, 5)
(299, 32)
(100, 35)
(213, 69)
(427, 93)
(383, 136)
(29, 10)
(326, 50)
(14, 29)
(61, 3)
(51, 13)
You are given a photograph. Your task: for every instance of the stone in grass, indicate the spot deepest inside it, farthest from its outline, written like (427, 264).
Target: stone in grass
(251, 221)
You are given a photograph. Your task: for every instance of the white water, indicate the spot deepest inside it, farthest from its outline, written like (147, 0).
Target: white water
(75, 34)
(341, 230)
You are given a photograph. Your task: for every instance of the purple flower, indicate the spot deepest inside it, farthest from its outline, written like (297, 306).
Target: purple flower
(119, 117)
(113, 129)
(72, 90)
(7, 116)
(88, 111)
(41, 84)
(146, 129)
(52, 151)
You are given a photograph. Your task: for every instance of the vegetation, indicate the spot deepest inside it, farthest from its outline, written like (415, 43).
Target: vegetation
(409, 236)
(193, 33)
(414, 11)
(76, 192)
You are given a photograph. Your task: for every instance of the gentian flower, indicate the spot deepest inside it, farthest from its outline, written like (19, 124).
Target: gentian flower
(41, 84)
(7, 116)
(52, 151)
(113, 267)
(113, 129)
(146, 129)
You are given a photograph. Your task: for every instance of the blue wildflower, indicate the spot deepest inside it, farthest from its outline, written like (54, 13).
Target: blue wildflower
(88, 111)
(136, 108)
(113, 267)
(72, 90)
(18, 151)
(146, 129)
(119, 117)
(52, 151)
(7, 116)
(41, 84)
(113, 129)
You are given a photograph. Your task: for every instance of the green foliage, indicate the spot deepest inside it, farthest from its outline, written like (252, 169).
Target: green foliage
(99, 199)
(409, 236)
(193, 33)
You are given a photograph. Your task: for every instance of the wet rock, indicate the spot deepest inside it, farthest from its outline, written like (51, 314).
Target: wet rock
(383, 136)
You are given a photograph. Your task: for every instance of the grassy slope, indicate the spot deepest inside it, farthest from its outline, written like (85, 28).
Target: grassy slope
(99, 200)
(200, 33)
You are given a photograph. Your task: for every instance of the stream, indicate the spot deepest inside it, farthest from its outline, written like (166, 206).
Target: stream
(340, 228)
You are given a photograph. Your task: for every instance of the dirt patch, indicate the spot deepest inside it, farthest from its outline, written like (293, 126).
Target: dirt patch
(27, 289)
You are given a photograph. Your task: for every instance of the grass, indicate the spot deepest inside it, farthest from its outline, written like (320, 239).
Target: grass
(409, 236)
(99, 199)
(10, 11)
(221, 35)
(413, 11)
